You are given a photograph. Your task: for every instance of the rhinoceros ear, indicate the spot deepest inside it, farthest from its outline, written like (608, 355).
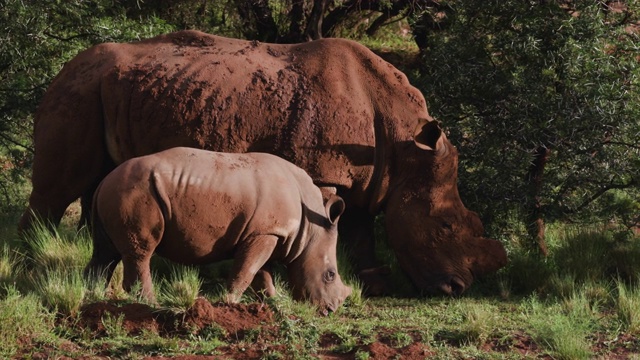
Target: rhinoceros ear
(428, 135)
(334, 208)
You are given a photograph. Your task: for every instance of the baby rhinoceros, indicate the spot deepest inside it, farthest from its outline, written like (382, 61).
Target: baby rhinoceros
(194, 207)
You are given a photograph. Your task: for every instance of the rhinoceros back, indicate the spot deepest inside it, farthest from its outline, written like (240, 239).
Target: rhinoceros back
(211, 201)
(314, 104)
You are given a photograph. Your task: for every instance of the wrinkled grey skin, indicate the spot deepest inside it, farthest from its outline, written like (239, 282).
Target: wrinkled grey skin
(194, 206)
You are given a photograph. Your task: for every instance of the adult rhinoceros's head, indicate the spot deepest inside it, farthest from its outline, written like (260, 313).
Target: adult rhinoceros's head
(438, 242)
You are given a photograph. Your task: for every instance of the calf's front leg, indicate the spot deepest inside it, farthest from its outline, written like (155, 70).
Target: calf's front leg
(263, 284)
(249, 258)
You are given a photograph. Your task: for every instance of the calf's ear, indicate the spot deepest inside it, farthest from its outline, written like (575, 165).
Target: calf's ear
(334, 208)
(428, 135)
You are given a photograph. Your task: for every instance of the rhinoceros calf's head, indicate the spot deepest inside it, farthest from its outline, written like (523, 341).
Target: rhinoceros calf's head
(438, 242)
(314, 274)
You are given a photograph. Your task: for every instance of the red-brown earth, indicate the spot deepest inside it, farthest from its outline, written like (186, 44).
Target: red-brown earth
(253, 331)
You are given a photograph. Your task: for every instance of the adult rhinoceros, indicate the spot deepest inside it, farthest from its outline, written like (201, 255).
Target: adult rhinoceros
(332, 107)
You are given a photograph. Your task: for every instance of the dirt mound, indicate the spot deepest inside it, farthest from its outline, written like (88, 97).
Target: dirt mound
(250, 330)
(134, 318)
(380, 350)
(234, 318)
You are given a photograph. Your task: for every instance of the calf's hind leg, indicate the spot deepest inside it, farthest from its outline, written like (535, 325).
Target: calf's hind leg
(138, 270)
(103, 262)
(263, 284)
(136, 232)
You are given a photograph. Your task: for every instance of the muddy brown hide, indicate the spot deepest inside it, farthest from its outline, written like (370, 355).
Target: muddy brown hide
(194, 206)
(433, 201)
(330, 106)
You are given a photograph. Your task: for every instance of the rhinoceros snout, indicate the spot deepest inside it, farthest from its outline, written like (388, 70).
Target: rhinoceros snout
(335, 303)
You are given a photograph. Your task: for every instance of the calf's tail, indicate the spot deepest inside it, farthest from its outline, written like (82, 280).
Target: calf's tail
(160, 193)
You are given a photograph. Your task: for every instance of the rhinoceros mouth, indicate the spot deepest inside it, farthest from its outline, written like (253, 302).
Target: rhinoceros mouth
(454, 287)
(329, 308)
(448, 285)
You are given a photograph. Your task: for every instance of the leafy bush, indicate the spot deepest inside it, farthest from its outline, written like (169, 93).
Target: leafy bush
(36, 39)
(523, 82)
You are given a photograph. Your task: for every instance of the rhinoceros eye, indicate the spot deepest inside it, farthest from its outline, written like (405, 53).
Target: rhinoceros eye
(329, 276)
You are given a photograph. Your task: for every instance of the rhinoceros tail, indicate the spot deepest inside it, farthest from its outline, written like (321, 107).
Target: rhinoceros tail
(159, 192)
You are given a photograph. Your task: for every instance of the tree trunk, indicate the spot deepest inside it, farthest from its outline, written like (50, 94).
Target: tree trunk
(430, 21)
(257, 20)
(296, 20)
(314, 23)
(535, 221)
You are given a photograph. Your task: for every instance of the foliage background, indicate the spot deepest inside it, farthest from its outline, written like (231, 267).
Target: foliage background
(509, 80)
(512, 81)
(516, 78)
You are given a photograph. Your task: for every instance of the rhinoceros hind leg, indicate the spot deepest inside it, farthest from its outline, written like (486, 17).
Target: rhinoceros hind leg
(138, 271)
(105, 257)
(250, 257)
(68, 161)
(50, 199)
(104, 260)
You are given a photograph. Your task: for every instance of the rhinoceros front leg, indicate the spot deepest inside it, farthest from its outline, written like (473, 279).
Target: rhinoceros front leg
(356, 227)
(249, 258)
(263, 284)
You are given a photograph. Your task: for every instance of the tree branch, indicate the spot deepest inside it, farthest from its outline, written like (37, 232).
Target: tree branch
(16, 143)
(70, 37)
(600, 192)
(633, 146)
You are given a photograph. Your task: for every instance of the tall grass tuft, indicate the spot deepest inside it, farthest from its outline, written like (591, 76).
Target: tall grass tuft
(584, 254)
(62, 290)
(565, 334)
(628, 307)
(579, 257)
(527, 273)
(624, 259)
(181, 289)
(50, 250)
(10, 267)
(478, 321)
(22, 316)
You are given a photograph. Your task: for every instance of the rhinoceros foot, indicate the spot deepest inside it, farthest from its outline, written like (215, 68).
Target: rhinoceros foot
(376, 281)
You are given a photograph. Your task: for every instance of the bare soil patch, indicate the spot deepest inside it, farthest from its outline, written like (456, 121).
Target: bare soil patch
(238, 322)
(254, 331)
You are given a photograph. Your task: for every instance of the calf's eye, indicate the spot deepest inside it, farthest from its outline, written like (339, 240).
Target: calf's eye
(329, 276)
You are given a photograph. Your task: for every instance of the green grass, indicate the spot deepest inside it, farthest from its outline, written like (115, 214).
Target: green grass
(61, 291)
(48, 250)
(562, 333)
(181, 289)
(628, 307)
(10, 266)
(559, 306)
(22, 316)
